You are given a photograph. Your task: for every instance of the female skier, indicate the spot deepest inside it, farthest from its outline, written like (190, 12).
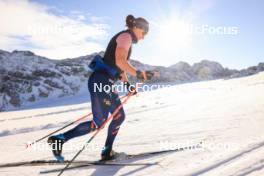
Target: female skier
(113, 66)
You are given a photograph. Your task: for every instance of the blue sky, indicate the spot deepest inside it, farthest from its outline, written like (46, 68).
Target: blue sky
(229, 32)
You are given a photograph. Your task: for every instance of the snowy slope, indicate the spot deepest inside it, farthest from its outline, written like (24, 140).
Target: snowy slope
(227, 115)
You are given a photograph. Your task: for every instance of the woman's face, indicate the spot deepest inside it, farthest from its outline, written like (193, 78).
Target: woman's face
(140, 33)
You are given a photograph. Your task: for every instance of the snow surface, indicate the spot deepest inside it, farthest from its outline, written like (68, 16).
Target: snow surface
(227, 115)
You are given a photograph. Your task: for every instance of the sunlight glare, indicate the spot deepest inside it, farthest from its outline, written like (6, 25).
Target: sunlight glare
(174, 32)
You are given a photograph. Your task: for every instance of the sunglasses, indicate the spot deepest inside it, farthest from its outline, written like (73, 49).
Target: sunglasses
(143, 27)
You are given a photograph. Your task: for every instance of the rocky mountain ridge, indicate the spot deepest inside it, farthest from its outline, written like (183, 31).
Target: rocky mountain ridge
(26, 78)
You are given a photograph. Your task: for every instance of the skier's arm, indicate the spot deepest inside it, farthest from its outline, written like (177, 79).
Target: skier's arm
(124, 42)
(121, 62)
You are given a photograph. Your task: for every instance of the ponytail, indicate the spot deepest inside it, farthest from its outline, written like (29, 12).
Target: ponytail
(130, 21)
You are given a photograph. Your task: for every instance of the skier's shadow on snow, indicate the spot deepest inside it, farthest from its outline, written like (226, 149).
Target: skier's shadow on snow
(242, 172)
(112, 170)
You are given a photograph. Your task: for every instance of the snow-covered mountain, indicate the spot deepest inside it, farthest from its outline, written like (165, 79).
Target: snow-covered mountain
(26, 78)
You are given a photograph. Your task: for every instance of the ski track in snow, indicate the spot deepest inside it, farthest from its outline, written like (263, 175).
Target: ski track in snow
(61, 124)
(227, 115)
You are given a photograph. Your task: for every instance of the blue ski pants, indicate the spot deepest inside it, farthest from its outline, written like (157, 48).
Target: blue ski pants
(103, 103)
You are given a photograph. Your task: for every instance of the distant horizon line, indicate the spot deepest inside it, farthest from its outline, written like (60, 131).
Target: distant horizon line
(16, 50)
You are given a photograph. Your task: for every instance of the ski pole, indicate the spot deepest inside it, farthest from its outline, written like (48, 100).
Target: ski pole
(44, 137)
(97, 131)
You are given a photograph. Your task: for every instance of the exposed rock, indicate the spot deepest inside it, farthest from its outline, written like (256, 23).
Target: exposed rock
(15, 99)
(32, 98)
(44, 73)
(53, 84)
(43, 94)
(206, 70)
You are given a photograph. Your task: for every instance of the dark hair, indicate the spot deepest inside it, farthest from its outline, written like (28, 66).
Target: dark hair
(130, 21)
(139, 22)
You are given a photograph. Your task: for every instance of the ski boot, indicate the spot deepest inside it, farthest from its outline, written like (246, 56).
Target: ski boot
(56, 143)
(108, 154)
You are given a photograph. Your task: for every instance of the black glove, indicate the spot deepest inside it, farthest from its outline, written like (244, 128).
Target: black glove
(140, 75)
(130, 88)
(149, 75)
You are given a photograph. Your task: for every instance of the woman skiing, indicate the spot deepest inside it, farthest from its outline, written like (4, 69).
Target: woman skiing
(115, 60)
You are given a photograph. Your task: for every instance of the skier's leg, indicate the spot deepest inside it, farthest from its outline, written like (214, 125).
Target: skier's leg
(80, 130)
(100, 110)
(113, 127)
(57, 141)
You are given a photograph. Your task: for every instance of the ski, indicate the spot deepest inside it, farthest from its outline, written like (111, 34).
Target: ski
(123, 157)
(55, 162)
(84, 163)
(38, 163)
